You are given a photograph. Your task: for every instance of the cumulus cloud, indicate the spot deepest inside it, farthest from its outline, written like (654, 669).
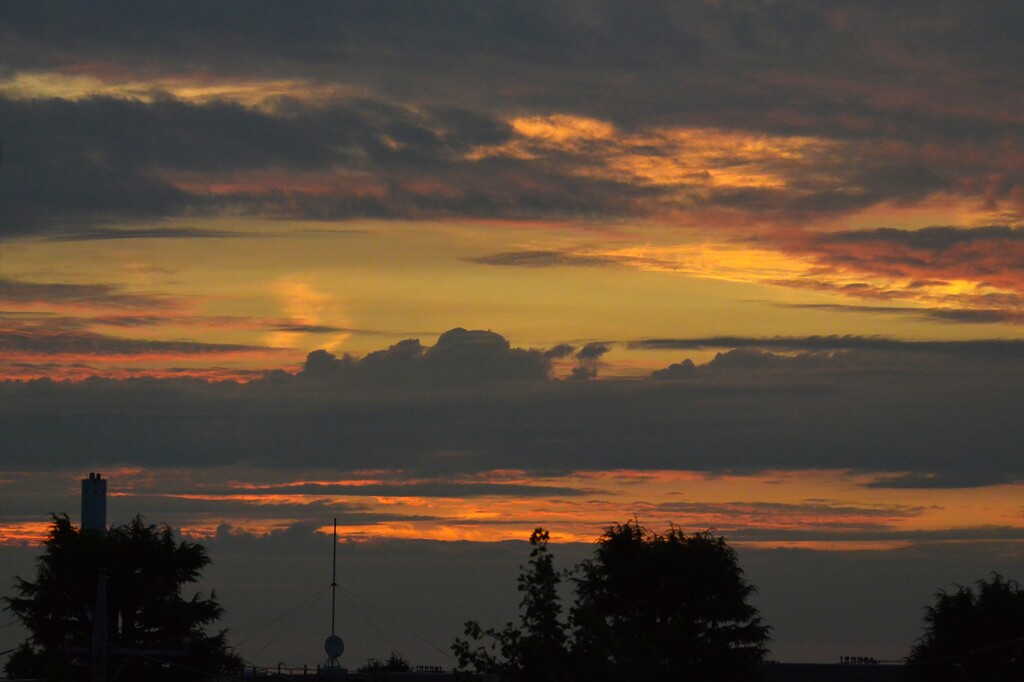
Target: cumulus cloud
(588, 360)
(462, 406)
(460, 357)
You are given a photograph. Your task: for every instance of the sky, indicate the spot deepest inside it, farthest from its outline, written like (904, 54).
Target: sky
(450, 271)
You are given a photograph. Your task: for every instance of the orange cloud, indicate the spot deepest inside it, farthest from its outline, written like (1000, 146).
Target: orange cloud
(817, 509)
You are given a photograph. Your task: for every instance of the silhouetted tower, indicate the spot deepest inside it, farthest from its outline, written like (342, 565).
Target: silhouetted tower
(94, 503)
(334, 646)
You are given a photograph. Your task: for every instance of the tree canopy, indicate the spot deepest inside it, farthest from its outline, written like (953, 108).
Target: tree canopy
(536, 649)
(973, 633)
(647, 605)
(146, 570)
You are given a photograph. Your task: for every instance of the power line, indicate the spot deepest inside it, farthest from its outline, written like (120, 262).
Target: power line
(375, 628)
(308, 604)
(353, 595)
(266, 625)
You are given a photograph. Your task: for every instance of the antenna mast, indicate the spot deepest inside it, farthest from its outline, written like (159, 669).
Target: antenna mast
(334, 574)
(333, 646)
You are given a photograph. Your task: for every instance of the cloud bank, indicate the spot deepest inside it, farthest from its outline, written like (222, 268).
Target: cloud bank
(472, 403)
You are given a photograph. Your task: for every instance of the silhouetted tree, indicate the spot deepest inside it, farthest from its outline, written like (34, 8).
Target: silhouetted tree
(146, 571)
(973, 635)
(647, 606)
(536, 649)
(394, 664)
(670, 606)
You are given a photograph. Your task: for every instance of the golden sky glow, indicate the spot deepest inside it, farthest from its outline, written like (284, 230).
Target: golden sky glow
(452, 275)
(824, 509)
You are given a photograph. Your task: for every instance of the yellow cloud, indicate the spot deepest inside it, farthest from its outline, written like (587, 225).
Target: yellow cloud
(690, 157)
(195, 88)
(307, 307)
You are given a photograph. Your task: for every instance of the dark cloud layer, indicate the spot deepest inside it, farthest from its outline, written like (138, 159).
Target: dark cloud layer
(46, 342)
(71, 165)
(952, 315)
(1011, 349)
(415, 92)
(471, 403)
(418, 489)
(543, 259)
(107, 296)
(804, 58)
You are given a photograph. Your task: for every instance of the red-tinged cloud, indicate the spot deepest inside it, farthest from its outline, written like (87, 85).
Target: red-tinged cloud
(954, 274)
(949, 274)
(987, 256)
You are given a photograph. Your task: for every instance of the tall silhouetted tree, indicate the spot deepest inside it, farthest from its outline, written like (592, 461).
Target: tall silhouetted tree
(146, 570)
(536, 649)
(669, 606)
(973, 635)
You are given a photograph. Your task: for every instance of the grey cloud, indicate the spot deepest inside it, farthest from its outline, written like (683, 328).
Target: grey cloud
(975, 350)
(309, 328)
(47, 342)
(936, 238)
(828, 516)
(977, 316)
(460, 357)
(592, 351)
(70, 166)
(417, 489)
(105, 295)
(858, 73)
(559, 351)
(543, 259)
(589, 359)
(977, 477)
(883, 534)
(678, 370)
(455, 408)
(102, 234)
(962, 316)
(199, 509)
(784, 63)
(747, 359)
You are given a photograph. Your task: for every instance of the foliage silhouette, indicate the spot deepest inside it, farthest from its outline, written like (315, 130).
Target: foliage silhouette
(652, 606)
(146, 571)
(973, 635)
(394, 664)
(648, 606)
(536, 649)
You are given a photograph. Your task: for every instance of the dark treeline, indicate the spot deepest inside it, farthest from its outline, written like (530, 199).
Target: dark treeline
(675, 606)
(645, 606)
